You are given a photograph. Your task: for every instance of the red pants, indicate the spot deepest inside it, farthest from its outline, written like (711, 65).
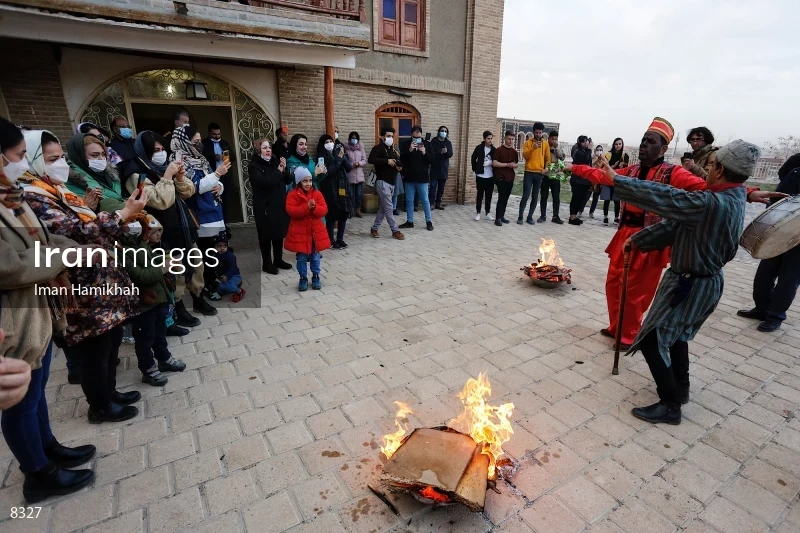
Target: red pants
(642, 285)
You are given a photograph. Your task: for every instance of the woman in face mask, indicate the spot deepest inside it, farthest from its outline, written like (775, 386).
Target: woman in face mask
(269, 181)
(299, 157)
(91, 171)
(94, 330)
(28, 320)
(93, 129)
(336, 189)
(598, 154)
(358, 159)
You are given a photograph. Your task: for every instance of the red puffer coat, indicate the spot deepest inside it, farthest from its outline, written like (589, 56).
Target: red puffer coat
(306, 224)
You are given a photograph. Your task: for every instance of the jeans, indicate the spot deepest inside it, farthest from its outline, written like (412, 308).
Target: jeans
(550, 185)
(485, 188)
(775, 298)
(98, 356)
(316, 262)
(150, 332)
(578, 201)
(231, 286)
(436, 191)
(385, 208)
(26, 426)
(503, 193)
(671, 380)
(530, 189)
(414, 190)
(358, 193)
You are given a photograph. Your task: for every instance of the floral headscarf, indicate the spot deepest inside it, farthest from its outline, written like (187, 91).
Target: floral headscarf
(192, 158)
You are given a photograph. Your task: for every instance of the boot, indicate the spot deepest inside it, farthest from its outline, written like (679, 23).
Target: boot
(176, 331)
(113, 413)
(65, 457)
(658, 413)
(126, 398)
(54, 481)
(183, 317)
(202, 306)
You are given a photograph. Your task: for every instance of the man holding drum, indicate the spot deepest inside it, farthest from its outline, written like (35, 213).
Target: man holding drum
(774, 299)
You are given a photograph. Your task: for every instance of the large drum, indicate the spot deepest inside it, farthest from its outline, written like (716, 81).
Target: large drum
(775, 231)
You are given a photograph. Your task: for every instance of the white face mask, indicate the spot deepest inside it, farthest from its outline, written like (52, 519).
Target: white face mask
(159, 158)
(336, 135)
(98, 165)
(58, 172)
(13, 171)
(266, 157)
(329, 146)
(389, 141)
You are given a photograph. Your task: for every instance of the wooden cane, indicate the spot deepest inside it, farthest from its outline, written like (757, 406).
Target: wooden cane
(621, 314)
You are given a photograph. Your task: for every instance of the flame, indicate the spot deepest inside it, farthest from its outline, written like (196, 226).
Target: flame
(393, 441)
(486, 424)
(549, 253)
(433, 494)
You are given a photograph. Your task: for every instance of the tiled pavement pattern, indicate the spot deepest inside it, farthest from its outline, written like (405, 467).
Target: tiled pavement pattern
(275, 423)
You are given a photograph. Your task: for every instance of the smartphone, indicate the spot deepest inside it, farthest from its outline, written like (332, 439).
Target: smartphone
(226, 156)
(687, 155)
(321, 162)
(140, 186)
(178, 156)
(428, 136)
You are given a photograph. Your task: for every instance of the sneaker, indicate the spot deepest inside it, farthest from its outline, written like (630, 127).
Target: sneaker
(530, 221)
(575, 222)
(316, 283)
(541, 219)
(488, 217)
(374, 233)
(154, 377)
(214, 296)
(556, 220)
(478, 216)
(336, 245)
(236, 298)
(172, 365)
(519, 221)
(605, 221)
(504, 220)
(498, 222)
(342, 245)
(128, 340)
(429, 225)
(303, 284)
(591, 215)
(398, 235)
(407, 225)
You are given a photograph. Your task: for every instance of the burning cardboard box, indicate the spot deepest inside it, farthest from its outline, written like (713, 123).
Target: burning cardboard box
(454, 463)
(548, 271)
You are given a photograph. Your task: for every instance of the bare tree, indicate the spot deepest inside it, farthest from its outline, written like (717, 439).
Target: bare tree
(784, 148)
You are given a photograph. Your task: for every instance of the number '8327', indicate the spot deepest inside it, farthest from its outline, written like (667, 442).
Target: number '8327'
(25, 512)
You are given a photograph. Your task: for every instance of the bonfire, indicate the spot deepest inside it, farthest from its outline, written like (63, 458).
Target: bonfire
(548, 270)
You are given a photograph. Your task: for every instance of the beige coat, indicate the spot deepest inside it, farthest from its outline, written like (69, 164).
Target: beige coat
(162, 194)
(26, 318)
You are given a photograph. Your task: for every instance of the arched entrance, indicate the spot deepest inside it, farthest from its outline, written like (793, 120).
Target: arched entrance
(151, 97)
(402, 117)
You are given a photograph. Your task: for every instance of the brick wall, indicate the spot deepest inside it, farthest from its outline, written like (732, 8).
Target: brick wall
(302, 102)
(31, 87)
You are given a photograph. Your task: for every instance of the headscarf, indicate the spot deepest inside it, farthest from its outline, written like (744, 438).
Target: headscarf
(293, 148)
(617, 156)
(77, 156)
(192, 158)
(138, 147)
(36, 180)
(739, 157)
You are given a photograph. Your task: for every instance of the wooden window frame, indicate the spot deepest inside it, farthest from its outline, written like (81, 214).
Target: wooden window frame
(389, 111)
(423, 23)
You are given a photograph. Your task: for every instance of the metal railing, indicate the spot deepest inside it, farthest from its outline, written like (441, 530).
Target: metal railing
(348, 9)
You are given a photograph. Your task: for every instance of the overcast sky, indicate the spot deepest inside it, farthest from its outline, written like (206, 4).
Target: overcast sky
(606, 68)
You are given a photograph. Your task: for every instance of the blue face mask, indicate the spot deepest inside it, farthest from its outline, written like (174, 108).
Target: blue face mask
(443, 135)
(125, 133)
(417, 140)
(354, 141)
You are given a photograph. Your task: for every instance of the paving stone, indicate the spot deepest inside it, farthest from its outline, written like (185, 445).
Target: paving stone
(318, 493)
(586, 499)
(363, 411)
(367, 513)
(548, 515)
(358, 473)
(694, 481)
(260, 420)
(789, 438)
(229, 406)
(322, 455)
(747, 429)
(273, 514)
(778, 482)
(522, 443)
(587, 443)
(298, 408)
(170, 449)
(781, 457)
(559, 460)
(730, 518)
(613, 478)
(233, 491)
(499, 507)
(144, 432)
(224, 523)
(735, 446)
(218, 433)
(132, 522)
(660, 442)
(119, 465)
(196, 469)
(670, 501)
(634, 516)
(173, 513)
(83, 509)
(186, 419)
(533, 479)
(544, 426)
(638, 460)
(143, 488)
(280, 471)
(569, 413)
(244, 452)
(754, 499)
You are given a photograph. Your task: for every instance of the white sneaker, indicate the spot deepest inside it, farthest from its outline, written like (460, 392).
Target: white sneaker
(489, 216)
(478, 216)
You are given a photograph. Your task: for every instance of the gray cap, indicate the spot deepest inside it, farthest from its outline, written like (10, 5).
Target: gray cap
(739, 157)
(300, 173)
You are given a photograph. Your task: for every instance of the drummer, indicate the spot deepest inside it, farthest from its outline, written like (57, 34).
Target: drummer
(703, 229)
(774, 299)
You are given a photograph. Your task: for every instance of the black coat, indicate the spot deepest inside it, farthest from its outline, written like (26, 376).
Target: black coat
(269, 197)
(334, 182)
(581, 156)
(478, 156)
(416, 165)
(208, 150)
(441, 161)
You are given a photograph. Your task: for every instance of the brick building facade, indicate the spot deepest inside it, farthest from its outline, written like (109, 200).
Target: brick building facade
(438, 64)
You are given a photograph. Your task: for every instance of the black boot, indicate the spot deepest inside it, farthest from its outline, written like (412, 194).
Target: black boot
(113, 413)
(54, 481)
(176, 331)
(69, 457)
(183, 317)
(202, 306)
(126, 398)
(754, 313)
(659, 413)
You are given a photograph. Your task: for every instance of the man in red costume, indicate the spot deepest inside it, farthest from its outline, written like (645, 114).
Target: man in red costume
(645, 267)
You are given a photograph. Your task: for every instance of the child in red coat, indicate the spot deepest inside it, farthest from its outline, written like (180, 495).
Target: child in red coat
(307, 234)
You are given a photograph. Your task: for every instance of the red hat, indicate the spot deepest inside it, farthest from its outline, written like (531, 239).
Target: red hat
(663, 128)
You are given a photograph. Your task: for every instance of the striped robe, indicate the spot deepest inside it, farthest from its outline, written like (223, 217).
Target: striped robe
(703, 229)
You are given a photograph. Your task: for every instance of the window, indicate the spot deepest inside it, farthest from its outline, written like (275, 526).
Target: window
(401, 117)
(402, 23)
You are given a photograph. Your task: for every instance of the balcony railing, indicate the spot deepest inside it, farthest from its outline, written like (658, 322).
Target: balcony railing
(346, 9)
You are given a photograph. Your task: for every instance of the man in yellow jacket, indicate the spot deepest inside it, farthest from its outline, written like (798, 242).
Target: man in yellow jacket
(536, 154)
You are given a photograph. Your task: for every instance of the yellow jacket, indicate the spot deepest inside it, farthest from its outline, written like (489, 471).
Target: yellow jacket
(536, 159)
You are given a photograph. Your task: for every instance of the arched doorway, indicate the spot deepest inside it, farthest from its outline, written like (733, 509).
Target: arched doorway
(151, 97)
(401, 117)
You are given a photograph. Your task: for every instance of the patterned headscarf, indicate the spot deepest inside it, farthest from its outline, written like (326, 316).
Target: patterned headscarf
(192, 158)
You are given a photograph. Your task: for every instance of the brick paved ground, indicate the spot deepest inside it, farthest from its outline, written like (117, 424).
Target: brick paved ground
(274, 424)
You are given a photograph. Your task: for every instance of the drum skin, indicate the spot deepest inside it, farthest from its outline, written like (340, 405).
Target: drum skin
(775, 231)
